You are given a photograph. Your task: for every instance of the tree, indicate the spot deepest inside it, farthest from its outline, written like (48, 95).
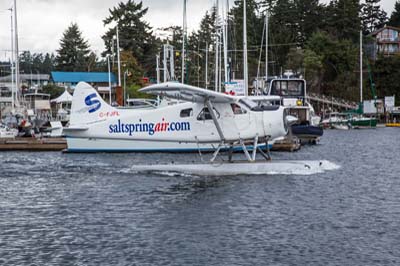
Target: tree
(339, 59)
(74, 50)
(135, 34)
(395, 17)
(373, 17)
(343, 20)
(254, 34)
(386, 71)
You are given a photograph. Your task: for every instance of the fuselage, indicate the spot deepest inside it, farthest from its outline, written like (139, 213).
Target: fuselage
(185, 122)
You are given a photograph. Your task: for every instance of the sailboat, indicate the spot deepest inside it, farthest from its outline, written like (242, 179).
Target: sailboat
(357, 119)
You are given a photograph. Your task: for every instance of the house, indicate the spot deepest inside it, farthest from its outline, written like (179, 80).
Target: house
(99, 80)
(387, 41)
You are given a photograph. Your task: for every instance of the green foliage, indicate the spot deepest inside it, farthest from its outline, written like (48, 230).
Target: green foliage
(36, 63)
(53, 90)
(373, 17)
(74, 52)
(343, 20)
(395, 17)
(135, 34)
(386, 71)
(336, 58)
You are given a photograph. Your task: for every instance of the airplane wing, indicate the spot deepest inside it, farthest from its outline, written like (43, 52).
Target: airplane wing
(188, 93)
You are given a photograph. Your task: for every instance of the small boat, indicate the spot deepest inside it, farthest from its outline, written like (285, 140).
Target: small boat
(363, 122)
(307, 133)
(336, 121)
(6, 132)
(294, 98)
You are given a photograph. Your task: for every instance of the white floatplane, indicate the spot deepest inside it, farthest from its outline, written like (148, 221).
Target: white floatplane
(205, 120)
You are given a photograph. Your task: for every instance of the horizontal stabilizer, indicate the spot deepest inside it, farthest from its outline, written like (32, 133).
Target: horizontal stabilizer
(73, 129)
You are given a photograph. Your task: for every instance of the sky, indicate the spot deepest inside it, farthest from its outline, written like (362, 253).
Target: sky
(41, 23)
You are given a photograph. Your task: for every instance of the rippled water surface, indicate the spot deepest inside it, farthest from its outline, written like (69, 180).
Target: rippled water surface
(93, 209)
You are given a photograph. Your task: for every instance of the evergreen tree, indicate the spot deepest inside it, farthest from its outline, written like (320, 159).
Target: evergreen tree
(206, 36)
(255, 23)
(386, 72)
(343, 20)
(307, 15)
(395, 17)
(135, 34)
(74, 50)
(48, 63)
(373, 17)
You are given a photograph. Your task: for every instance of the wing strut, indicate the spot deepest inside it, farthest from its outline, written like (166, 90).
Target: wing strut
(214, 117)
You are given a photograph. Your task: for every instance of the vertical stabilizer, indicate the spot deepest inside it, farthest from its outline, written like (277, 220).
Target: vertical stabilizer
(88, 106)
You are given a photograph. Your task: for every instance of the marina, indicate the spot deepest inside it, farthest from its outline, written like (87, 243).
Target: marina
(96, 209)
(246, 132)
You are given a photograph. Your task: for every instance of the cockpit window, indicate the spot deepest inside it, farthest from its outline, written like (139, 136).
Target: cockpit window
(237, 110)
(205, 114)
(186, 112)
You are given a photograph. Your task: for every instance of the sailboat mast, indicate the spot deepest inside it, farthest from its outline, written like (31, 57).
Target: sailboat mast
(266, 45)
(245, 70)
(225, 34)
(216, 44)
(183, 41)
(16, 51)
(361, 66)
(206, 77)
(12, 60)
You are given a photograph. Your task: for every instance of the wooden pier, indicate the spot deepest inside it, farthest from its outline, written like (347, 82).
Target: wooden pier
(33, 144)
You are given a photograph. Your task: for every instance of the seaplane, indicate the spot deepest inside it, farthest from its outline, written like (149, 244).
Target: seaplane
(202, 120)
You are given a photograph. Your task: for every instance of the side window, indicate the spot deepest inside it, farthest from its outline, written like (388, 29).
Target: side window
(237, 110)
(186, 112)
(205, 114)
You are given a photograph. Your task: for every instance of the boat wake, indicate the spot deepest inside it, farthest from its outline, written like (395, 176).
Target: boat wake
(283, 167)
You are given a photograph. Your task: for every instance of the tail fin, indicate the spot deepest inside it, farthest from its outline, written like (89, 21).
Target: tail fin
(88, 106)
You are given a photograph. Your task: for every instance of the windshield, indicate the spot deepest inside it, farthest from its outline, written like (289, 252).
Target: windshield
(287, 87)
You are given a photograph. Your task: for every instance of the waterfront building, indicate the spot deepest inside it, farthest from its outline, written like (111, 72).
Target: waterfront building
(386, 41)
(98, 80)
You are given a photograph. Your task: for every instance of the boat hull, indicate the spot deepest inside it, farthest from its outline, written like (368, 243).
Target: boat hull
(307, 133)
(363, 123)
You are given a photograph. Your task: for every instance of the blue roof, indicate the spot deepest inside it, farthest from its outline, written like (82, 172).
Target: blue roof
(75, 77)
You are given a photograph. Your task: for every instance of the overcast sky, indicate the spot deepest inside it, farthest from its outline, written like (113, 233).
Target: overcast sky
(42, 22)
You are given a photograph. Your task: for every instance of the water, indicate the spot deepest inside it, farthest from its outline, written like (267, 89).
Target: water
(92, 209)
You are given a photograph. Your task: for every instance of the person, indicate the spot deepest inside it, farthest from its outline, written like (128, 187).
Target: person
(32, 133)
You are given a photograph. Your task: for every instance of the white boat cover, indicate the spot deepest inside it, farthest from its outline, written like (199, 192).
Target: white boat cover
(63, 98)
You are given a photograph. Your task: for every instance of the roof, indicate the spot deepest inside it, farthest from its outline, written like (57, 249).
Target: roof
(385, 27)
(27, 77)
(75, 77)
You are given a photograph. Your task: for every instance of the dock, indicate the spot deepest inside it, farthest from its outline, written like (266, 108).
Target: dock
(33, 144)
(289, 143)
